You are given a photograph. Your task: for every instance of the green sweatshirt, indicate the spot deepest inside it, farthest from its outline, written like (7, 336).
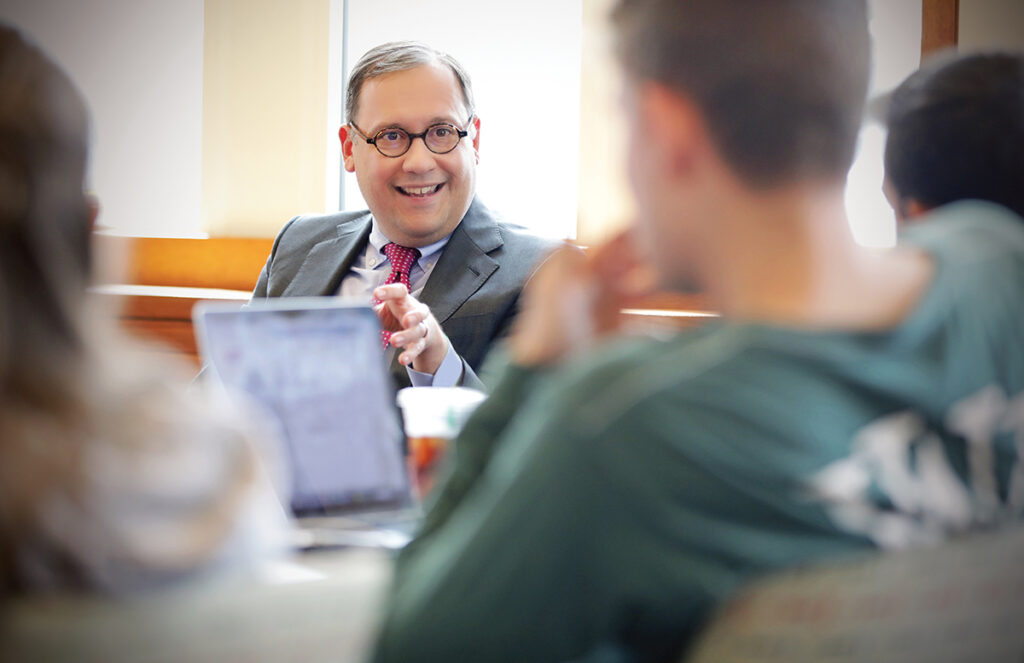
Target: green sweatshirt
(598, 511)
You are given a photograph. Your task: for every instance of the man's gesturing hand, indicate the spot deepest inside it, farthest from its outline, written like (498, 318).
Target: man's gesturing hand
(414, 329)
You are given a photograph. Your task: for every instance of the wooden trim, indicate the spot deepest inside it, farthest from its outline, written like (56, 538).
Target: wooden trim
(163, 315)
(940, 23)
(667, 311)
(166, 277)
(231, 263)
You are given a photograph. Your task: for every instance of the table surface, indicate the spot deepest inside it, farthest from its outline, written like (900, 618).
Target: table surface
(321, 605)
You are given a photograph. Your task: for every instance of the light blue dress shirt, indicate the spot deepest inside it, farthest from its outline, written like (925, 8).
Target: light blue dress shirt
(369, 271)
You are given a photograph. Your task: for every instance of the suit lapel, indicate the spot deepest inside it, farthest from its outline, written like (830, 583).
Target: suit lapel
(464, 266)
(328, 262)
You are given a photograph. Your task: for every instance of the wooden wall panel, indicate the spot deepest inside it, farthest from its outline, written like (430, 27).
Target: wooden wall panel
(162, 315)
(232, 263)
(939, 25)
(164, 278)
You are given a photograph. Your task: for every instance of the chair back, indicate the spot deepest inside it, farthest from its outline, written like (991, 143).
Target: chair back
(959, 601)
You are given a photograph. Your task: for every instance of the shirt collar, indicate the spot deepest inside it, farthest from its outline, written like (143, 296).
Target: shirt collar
(378, 239)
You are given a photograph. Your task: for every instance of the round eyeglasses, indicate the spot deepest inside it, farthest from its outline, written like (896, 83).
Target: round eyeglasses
(394, 141)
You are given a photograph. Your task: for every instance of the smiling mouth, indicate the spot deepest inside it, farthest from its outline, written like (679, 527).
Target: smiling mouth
(419, 191)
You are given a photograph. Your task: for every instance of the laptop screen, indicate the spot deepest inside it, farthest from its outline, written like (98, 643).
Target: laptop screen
(317, 366)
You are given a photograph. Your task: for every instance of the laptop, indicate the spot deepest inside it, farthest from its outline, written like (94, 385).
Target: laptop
(317, 367)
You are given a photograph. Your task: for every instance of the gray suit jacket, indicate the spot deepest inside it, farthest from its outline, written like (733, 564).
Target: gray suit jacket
(473, 290)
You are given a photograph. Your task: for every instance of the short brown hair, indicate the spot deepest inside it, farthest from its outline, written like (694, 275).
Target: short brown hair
(401, 56)
(956, 131)
(781, 83)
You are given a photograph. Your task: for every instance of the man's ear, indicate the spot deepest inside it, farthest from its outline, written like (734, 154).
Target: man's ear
(906, 208)
(914, 208)
(345, 135)
(476, 137)
(675, 127)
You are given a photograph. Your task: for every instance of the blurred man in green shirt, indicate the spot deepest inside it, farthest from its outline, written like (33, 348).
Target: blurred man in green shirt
(612, 491)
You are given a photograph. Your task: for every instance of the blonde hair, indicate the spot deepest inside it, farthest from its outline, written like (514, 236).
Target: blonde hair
(48, 339)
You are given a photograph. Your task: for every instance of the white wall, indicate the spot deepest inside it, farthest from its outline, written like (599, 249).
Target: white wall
(524, 60)
(139, 64)
(267, 95)
(896, 52)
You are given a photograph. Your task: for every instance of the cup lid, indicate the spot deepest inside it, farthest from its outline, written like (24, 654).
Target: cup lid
(437, 411)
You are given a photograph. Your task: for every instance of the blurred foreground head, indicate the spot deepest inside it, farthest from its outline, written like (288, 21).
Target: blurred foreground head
(956, 131)
(44, 269)
(44, 224)
(95, 436)
(779, 83)
(726, 98)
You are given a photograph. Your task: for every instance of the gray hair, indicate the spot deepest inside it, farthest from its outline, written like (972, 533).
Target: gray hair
(398, 56)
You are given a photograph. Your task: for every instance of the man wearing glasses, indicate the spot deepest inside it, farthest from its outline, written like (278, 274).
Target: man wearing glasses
(443, 273)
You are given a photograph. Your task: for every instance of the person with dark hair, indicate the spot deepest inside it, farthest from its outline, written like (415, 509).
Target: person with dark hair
(113, 477)
(612, 491)
(443, 272)
(956, 132)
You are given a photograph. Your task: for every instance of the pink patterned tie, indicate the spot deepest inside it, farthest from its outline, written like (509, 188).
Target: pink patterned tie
(401, 258)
